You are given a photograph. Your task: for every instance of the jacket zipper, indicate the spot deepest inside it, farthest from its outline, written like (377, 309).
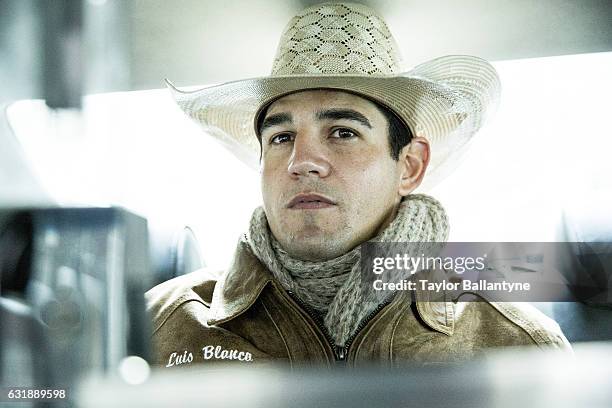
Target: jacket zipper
(340, 351)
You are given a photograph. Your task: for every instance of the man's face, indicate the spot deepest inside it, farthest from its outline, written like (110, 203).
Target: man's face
(328, 179)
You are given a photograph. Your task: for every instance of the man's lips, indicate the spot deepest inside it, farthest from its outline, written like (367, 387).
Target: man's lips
(310, 202)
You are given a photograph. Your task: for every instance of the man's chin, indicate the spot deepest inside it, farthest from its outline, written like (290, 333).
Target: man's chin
(311, 238)
(311, 248)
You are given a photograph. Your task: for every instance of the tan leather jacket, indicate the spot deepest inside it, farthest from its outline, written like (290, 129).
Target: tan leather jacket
(245, 316)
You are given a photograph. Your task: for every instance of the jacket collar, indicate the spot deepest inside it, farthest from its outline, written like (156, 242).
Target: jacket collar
(242, 284)
(438, 315)
(239, 287)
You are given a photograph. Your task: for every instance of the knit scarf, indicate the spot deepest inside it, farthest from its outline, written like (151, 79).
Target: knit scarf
(333, 287)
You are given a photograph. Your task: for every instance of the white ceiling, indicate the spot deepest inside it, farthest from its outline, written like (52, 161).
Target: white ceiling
(197, 42)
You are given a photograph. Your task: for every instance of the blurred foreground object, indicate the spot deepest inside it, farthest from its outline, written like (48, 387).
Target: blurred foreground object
(510, 379)
(71, 293)
(586, 222)
(57, 50)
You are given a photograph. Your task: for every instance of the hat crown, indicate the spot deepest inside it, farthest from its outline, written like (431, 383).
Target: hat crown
(337, 39)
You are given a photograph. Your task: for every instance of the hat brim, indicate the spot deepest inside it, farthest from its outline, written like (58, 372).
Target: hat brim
(446, 100)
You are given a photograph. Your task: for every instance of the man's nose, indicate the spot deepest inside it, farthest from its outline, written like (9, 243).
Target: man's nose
(308, 158)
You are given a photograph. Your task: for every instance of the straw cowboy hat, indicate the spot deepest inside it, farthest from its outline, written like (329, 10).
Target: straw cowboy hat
(348, 47)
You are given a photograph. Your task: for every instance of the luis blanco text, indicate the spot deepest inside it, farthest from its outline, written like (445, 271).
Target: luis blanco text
(209, 353)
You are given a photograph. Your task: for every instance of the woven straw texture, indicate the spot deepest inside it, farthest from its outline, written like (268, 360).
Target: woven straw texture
(349, 47)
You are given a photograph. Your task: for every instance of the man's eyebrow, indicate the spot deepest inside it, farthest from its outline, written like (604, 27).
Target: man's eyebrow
(273, 120)
(348, 114)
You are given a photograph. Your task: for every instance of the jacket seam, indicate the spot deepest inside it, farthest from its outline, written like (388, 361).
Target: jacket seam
(371, 325)
(534, 332)
(424, 309)
(216, 321)
(450, 317)
(395, 326)
(177, 303)
(301, 313)
(279, 333)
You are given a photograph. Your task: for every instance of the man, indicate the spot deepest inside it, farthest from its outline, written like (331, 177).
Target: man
(344, 139)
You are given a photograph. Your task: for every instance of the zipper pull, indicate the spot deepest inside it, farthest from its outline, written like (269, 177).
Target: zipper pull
(340, 352)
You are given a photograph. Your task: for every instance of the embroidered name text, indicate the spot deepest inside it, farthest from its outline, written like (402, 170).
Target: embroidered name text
(176, 359)
(219, 353)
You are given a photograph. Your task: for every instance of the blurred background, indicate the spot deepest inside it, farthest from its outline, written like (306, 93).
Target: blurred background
(545, 150)
(85, 122)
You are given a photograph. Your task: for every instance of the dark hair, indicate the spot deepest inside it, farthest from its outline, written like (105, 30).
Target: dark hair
(399, 133)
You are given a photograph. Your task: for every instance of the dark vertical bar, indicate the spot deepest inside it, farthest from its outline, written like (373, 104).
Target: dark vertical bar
(62, 70)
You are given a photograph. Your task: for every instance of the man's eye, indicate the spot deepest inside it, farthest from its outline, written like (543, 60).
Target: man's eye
(343, 133)
(281, 138)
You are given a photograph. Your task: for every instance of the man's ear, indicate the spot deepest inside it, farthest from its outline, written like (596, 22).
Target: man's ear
(413, 160)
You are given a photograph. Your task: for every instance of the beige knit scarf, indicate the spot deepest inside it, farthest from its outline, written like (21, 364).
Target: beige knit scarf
(333, 287)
